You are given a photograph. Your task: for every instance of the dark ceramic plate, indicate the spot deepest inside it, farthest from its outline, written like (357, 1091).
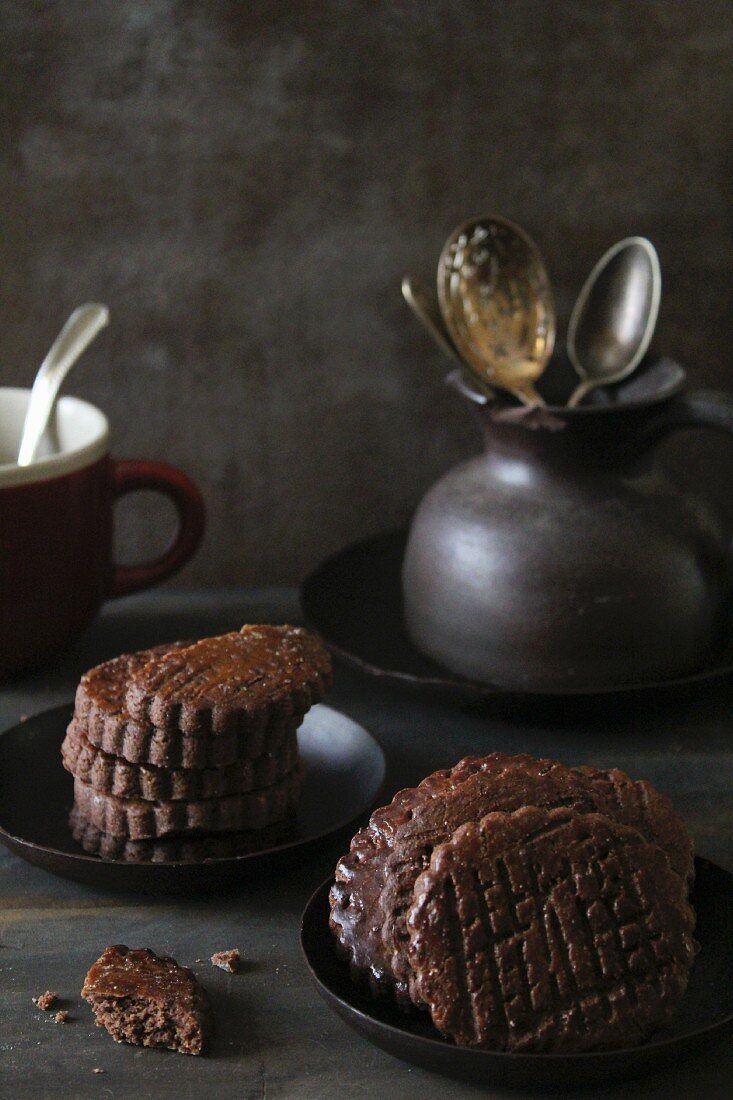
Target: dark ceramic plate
(354, 600)
(704, 1015)
(344, 772)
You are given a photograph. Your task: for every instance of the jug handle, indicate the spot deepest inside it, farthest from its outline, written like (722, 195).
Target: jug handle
(699, 409)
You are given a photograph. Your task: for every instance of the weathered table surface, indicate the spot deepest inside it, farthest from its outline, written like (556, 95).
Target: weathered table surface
(275, 1037)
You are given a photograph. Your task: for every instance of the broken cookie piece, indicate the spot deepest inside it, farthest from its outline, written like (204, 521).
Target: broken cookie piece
(227, 960)
(61, 1017)
(143, 998)
(46, 1000)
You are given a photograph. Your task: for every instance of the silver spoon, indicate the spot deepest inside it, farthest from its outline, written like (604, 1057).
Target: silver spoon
(74, 338)
(613, 320)
(497, 304)
(425, 307)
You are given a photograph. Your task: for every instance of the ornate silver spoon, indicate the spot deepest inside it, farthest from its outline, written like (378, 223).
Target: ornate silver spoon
(497, 304)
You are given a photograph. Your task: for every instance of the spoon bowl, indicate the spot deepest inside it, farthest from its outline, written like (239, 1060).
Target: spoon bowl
(614, 318)
(497, 304)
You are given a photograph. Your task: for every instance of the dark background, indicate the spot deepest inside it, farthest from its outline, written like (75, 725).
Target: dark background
(244, 184)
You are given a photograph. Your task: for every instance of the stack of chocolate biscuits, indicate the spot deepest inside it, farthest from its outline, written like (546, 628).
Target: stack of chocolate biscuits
(526, 905)
(189, 751)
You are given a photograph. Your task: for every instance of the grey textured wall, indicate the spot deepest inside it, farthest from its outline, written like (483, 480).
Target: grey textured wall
(245, 183)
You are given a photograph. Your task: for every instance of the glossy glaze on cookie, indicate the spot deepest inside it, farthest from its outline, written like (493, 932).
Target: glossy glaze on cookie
(222, 684)
(549, 930)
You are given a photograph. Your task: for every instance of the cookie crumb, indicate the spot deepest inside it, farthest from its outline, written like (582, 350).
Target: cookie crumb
(227, 960)
(46, 1000)
(61, 1017)
(98, 1070)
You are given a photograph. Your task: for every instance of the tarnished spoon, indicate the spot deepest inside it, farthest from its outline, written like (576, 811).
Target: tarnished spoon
(613, 320)
(425, 307)
(74, 338)
(427, 311)
(497, 304)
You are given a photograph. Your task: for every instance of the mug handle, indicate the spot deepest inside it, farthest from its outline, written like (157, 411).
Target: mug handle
(130, 475)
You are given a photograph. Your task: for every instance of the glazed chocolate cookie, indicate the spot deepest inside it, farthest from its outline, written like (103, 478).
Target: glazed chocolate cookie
(109, 774)
(375, 880)
(180, 849)
(549, 930)
(140, 820)
(100, 695)
(356, 917)
(231, 683)
(147, 999)
(640, 804)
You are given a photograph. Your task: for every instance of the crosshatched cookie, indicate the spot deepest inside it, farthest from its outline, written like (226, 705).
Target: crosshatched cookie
(375, 880)
(100, 695)
(549, 930)
(109, 774)
(508, 784)
(140, 820)
(183, 849)
(233, 682)
(356, 917)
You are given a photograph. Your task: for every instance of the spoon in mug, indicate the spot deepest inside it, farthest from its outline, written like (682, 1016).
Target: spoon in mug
(74, 338)
(497, 304)
(426, 309)
(613, 320)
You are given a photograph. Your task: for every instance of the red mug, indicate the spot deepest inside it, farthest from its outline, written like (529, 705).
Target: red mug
(56, 523)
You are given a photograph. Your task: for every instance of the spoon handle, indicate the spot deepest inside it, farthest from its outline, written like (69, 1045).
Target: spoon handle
(74, 338)
(528, 395)
(581, 391)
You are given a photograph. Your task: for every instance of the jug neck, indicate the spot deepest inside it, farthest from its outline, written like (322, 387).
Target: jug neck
(603, 440)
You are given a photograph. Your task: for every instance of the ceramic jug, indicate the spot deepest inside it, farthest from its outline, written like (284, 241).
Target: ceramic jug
(564, 557)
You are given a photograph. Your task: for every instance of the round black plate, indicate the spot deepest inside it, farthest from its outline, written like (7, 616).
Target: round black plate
(704, 1015)
(344, 772)
(354, 601)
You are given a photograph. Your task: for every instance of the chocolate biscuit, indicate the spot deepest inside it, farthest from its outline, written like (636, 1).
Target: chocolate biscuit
(375, 880)
(356, 917)
(147, 999)
(178, 849)
(172, 749)
(227, 684)
(101, 715)
(100, 694)
(141, 820)
(109, 774)
(549, 930)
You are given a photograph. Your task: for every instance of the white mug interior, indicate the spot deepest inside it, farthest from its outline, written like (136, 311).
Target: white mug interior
(81, 434)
